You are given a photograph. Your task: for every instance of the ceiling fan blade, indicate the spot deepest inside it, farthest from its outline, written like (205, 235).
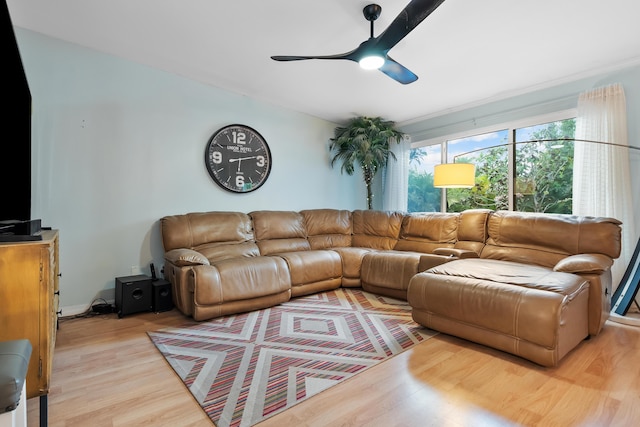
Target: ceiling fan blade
(398, 72)
(412, 15)
(300, 58)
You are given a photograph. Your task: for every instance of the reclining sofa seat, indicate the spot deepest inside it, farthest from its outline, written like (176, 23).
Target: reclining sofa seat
(283, 234)
(372, 231)
(581, 245)
(541, 285)
(333, 229)
(426, 240)
(215, 267)
(352, 235)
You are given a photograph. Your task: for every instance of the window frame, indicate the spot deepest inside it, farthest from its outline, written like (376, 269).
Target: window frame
(511, 127)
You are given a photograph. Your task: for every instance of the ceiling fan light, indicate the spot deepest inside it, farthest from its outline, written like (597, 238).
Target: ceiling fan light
(371, 62)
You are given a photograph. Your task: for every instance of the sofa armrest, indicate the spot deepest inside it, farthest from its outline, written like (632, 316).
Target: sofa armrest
(458, 253)
(185, 257)
(431, 260)
(584, 264)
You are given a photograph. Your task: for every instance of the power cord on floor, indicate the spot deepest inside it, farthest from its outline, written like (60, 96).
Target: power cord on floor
(97, 307)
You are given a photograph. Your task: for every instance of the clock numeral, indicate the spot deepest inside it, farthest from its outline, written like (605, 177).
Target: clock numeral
(216, 157)
(239, 181)
(239, 137)
(260, 161)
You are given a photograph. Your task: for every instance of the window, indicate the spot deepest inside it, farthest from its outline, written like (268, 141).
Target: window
(423, 196)
(511, 171)
(544, 170)
(489, 153)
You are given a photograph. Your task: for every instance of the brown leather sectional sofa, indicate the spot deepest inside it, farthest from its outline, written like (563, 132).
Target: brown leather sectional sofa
(534, 285)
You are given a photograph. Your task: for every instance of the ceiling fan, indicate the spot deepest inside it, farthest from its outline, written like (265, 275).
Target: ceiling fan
(372, 53)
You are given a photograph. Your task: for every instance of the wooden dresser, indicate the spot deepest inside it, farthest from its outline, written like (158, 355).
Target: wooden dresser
(29, 304)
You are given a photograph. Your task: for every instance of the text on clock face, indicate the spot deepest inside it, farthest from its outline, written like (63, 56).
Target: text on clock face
(216, 157)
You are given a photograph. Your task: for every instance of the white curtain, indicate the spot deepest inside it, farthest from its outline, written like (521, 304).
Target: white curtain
(395, 185)
(601, 177)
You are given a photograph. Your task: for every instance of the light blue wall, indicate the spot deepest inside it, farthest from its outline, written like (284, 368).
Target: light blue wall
(553, 99)
(117, 145)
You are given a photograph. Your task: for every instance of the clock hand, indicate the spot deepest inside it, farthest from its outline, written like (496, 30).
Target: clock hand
(242, 158)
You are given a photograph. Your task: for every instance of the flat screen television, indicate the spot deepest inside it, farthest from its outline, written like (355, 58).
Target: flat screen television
(15, 154)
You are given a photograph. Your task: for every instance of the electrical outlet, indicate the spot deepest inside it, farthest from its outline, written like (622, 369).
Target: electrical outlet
(135, 270)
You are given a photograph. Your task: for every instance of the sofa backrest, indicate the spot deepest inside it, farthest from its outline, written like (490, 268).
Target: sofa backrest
(279, 231)
(327, 228)
(545, 239)
(424, 232)
(216, 235)
(472, 229)
(376, 229)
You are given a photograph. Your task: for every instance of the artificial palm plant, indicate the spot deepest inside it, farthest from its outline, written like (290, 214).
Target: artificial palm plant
(364, 141)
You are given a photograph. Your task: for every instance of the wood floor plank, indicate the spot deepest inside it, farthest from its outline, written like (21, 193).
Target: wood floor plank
(107, 372)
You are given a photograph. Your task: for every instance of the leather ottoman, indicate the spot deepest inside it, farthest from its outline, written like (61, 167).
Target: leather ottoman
(526, 310)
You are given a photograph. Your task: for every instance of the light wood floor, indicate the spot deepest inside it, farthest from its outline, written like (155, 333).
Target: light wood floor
(107, 372)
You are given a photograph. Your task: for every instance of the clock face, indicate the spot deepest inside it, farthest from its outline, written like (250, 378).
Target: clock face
(238, 158)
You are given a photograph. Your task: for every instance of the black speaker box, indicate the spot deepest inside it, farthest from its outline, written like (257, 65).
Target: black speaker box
(162, 300)
(133, 294)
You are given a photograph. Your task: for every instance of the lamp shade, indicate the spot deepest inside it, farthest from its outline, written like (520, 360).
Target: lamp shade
(454, 175)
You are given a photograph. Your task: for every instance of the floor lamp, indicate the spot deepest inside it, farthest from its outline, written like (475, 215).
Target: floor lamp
(462, 175)
(626, 292)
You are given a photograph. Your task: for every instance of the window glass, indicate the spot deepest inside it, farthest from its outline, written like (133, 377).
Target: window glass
(544, 170)
(491, 189)
(521, 167)
(423, 196)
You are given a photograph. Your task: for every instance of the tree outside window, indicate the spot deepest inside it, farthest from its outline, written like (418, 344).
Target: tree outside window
(543, 171)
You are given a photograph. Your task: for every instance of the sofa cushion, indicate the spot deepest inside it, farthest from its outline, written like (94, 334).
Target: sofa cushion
(472, 230)
(376, 229)
(351, 265)
(237, 285)
(239, 279)
(220, 251)
(200, 228)
(313, 271)
(279, 231)
(424, 232)
(544, 239)
(327, 228)
(389, 269)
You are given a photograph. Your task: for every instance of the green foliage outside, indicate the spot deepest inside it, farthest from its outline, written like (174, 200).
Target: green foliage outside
(544, 180)
(423, 196)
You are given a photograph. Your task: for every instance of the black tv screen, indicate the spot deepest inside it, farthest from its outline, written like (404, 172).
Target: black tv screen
(15, 154)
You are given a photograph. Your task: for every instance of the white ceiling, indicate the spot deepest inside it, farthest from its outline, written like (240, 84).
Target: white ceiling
(465, 53)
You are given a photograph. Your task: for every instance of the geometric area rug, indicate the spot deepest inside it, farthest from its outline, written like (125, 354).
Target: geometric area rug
(247, 367)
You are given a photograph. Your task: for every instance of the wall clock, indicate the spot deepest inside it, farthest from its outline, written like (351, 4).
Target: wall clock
(238, 158)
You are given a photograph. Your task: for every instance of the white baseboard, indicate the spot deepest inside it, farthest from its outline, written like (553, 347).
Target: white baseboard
(631, 319)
